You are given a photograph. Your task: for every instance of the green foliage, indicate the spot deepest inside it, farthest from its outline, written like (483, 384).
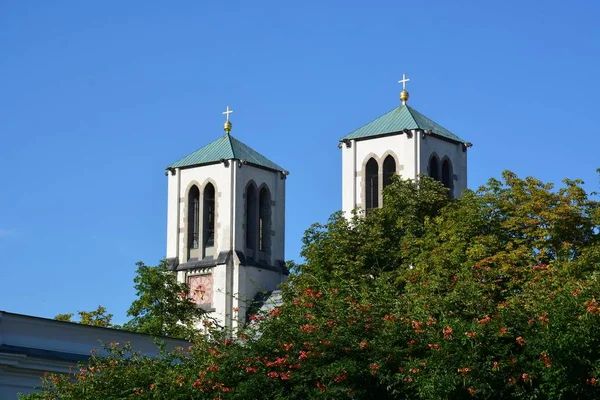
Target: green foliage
(163, 307)
(490, 296)
(98, 317)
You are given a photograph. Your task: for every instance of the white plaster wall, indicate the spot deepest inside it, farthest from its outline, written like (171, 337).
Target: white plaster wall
(348, 174)
(454, 151)
(172, 213)
(220, 176)
(276, 186)
(253, 280)
(240, 299)
(400, 145)
(258, 280)
(247, 282)
(354, 159)
(220, 293)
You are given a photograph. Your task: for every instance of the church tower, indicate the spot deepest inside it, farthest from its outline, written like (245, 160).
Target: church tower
(402, 141)
(225, 226)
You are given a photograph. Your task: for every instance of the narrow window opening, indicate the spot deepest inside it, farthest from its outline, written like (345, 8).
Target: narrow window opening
(193, 217)
(434, 169)
(447, 175)
(209, 216)
(264, 221)
(372, 185)
(251, 217)
(389, 169)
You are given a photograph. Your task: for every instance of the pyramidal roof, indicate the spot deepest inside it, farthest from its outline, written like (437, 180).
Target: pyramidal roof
(226, 148)
(400, 118)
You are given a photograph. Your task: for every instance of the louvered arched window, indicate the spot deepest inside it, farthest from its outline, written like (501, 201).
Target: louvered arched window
(208, 231)
(389, 169)
(448, 175)
(193, 223)
(371, 185)
(264, 221)
(251, 217)
(434, 167)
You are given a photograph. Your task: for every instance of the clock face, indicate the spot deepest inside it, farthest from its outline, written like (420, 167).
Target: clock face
(201, 289)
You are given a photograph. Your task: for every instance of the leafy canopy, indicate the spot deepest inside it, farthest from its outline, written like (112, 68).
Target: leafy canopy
(98, 317)
(489, 296)
(162, 308)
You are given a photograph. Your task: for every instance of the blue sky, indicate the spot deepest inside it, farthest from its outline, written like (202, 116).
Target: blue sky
(97, 98)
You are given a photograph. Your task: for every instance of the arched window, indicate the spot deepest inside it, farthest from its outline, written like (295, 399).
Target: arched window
(193, 217)
(371, 185)
(208, 234)
(447, 175)
(264, 220)
(251, 217)
(434, 168)
(389, 169)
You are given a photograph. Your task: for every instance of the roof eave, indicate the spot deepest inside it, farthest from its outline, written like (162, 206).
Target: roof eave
(245, 162)
(195, 165)
(447, 139)
(377, 135)
(434, 134)
(283, 171)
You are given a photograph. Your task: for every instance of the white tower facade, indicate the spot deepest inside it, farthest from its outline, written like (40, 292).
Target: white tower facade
(404, 142)
(226, 226)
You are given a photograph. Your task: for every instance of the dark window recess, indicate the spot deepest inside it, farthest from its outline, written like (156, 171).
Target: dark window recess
(264, 220)
(372, 185)
(447, 178)
(434, 168)
(251, 217)
(209, 216)
(389, 169)
(193, 217)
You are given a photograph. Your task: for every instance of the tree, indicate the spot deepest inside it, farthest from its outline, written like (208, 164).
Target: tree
(489, 296)
(163, 307)
(98, 317)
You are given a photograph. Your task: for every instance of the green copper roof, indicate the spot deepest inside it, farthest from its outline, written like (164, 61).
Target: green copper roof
(400, 118)
(225, 148)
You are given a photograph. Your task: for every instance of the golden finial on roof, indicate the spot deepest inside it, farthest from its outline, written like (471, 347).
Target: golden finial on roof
(404, 93)
(227, 124)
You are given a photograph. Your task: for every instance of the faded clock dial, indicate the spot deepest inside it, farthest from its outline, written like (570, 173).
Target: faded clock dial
(201, 288)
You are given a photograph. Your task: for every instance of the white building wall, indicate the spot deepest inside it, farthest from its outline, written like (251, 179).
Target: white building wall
(220, 176)
(220, 293)
(355, 157)
(233, 284)
(172, 213)
(275, 183)
(179, 185)
(249, 280)
(260, 280)
(348, 175)
(454, 151)
(411, 151)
